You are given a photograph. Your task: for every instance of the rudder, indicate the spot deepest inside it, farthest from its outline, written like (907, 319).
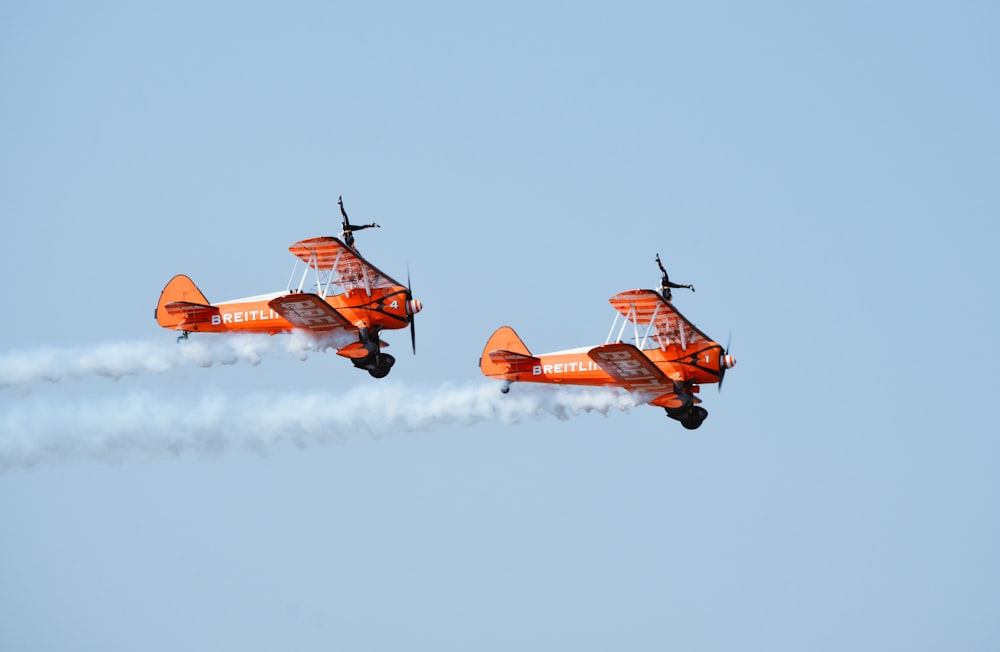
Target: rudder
(180, 288)
(503, 339)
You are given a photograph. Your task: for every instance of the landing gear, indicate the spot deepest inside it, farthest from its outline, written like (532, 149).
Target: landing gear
(691, 417)
(505, 387)
(183, 336)
(383, 363)
(366, 354)
(696, 414)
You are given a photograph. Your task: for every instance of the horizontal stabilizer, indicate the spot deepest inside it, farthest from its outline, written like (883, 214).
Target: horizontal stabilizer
(191, 313)
(515, 362)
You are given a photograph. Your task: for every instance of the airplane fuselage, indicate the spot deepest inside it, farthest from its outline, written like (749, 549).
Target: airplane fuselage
(576, 367)
(383, 308)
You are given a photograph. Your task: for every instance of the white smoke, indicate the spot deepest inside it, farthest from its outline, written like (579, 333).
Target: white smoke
(21, 369)
(146, 426)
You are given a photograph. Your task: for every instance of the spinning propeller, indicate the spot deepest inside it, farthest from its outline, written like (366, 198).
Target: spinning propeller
(413, 306)
(726, 361)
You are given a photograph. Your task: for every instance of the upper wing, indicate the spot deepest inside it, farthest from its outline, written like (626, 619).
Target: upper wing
(310, 312)
(194, 313)
(630, 368)
(351, 270)
(669, 326)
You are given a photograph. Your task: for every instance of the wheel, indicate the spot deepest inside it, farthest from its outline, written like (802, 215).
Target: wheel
(694, 418)
(383, 364)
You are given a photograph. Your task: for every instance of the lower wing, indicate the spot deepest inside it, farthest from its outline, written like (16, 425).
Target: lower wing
(309, 312)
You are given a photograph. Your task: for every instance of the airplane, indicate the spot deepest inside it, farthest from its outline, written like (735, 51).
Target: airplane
(349, 301)
(665, 364)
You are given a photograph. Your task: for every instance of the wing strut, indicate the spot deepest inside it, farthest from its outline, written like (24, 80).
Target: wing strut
(368, 282)
(649, 328)
(632, 315)
(610, 332)
(621, 332)
(302, 281)
(331, 276)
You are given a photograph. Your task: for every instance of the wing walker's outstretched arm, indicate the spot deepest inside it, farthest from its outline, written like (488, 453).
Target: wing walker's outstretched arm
(666, 283)
(348, 229)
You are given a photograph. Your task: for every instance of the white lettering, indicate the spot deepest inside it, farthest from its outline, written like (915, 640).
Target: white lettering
(216, 320)
(652, 382)
(227, 318)
(238, 317)
(557, 368)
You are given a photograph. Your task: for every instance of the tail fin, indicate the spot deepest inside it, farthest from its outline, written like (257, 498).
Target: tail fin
(180, 288)
(504, 340)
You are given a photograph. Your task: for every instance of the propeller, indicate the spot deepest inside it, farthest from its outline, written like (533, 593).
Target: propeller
(726, 361)
(412, 308)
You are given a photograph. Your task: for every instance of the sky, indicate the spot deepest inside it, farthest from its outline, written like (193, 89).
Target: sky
(824, 174)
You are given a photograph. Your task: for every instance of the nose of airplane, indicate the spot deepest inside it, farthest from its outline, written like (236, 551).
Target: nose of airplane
(728, 361)
(413, 306)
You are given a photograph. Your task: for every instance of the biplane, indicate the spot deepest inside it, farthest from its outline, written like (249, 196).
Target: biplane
(349, 301)
(665, 362)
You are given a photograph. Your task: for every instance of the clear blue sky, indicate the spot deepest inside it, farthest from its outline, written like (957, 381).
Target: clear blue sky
(824, 174)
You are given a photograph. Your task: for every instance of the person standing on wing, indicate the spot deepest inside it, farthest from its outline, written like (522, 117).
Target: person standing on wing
(666, 284)
(348, 229)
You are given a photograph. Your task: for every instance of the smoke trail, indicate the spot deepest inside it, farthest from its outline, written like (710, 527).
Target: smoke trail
(144, 426)
(20, 370)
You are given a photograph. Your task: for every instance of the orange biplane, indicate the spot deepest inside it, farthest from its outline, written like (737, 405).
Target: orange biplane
(350, 299)
(667, 361)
